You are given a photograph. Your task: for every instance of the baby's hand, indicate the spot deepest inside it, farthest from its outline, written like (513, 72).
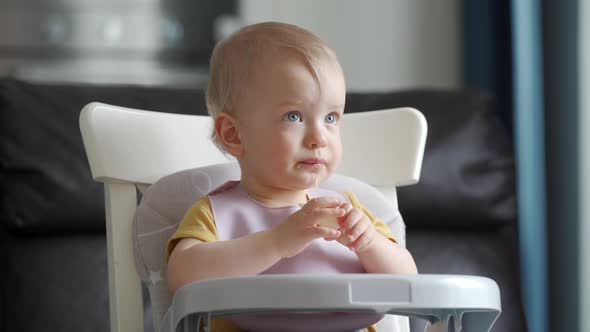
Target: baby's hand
(296, 232)
(357, 229)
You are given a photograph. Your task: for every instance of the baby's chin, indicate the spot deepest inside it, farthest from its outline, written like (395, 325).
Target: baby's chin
(301, 180)
(316, 180)
(300, 183)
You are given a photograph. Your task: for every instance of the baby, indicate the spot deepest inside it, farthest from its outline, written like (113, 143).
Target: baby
(276, 95)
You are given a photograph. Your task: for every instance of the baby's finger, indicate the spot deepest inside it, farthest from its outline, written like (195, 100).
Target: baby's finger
(334, 236)
(322, 202)
(327, 217)
(329, 212)
(326, 232)
(357, 230)
(346, 206)
(350, 220)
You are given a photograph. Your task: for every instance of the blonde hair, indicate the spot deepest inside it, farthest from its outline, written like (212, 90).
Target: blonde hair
(234, 58)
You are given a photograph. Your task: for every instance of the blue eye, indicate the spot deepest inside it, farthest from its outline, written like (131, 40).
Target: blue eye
(293, 117)
(331, 118)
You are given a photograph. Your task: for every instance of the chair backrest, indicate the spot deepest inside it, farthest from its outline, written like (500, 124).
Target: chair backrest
(128, 148)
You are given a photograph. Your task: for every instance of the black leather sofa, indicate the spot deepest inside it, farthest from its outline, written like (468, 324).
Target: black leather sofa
(461, 218)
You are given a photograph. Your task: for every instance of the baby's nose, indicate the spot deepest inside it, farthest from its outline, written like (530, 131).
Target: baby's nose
(316, 138)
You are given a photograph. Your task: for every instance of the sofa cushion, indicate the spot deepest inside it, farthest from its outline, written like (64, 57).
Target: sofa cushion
(45, 181)
(491, 254)
(468, 176)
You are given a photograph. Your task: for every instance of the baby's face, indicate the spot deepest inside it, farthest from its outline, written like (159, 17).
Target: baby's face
(289, 125)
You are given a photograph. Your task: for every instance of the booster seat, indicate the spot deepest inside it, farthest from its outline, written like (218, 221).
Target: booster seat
(129, 149)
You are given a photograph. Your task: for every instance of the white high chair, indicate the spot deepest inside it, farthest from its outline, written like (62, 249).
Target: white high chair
(129, 149)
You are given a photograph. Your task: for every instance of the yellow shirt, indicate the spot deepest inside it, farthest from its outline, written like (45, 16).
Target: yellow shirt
(199, 223)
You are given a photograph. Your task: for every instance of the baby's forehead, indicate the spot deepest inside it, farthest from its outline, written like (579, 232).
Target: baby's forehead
(286, 57)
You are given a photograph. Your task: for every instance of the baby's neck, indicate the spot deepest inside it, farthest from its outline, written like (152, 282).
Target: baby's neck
(274, 197)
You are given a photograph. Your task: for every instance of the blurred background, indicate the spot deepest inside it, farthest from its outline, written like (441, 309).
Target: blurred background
(137, 41)
(533, 56)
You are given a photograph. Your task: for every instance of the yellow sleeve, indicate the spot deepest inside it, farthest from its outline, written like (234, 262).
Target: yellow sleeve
(379, 224)
(198, 223)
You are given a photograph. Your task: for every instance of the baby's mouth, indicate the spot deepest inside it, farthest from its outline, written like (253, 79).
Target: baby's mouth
(313, 162)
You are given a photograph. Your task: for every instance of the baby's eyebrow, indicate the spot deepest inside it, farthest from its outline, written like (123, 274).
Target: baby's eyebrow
(291, 103)
(337, 107)
(299, 103)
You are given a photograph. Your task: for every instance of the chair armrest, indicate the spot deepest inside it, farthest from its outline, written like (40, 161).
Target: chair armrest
(471, 301)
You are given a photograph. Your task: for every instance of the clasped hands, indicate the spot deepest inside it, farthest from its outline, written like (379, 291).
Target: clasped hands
(295, 233)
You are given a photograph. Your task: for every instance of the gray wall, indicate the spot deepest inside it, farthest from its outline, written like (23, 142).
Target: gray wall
(584, 234)
(567, 98)
(382, 44)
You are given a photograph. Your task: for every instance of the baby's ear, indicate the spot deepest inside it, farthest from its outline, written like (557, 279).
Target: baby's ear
(227, 132)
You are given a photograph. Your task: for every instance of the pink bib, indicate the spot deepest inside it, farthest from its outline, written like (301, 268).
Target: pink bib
(237, 214)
